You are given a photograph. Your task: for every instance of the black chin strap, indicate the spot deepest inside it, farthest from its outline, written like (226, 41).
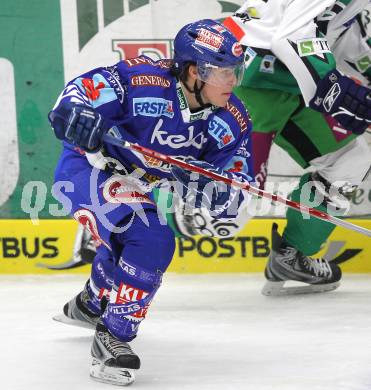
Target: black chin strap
(197, 92)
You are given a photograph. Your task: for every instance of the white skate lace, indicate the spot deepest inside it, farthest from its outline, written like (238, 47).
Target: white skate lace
(116, 347)
(320, 267)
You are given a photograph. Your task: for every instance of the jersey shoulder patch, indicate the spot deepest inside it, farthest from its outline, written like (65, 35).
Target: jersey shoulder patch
(227, 124)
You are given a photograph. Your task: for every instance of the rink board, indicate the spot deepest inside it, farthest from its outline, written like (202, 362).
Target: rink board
(29, 249)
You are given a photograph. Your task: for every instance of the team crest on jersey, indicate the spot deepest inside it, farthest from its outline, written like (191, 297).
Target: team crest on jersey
(221, 132)
(153, 106)
(209, 39)
(97, 89)
(92, 91)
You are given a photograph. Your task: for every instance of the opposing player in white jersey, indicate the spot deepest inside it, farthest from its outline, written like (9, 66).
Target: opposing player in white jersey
(290, 66)
(352, 49)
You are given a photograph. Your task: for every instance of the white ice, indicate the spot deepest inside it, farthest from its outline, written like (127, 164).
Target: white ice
(202, 332)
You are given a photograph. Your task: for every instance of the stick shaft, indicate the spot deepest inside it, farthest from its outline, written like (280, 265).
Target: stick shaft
(245, 186)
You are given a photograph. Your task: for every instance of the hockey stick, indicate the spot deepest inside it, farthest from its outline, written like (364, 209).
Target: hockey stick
(244, 186)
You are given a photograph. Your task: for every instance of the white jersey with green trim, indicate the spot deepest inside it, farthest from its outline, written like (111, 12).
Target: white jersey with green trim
(288, 30)
(353, 53)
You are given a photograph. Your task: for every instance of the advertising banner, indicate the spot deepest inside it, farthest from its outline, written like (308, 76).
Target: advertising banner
(48, 248)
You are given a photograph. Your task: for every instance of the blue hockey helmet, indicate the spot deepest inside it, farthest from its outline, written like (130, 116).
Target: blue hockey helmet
(209, 45)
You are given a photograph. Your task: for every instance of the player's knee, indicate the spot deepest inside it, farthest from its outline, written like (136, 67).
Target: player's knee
(160, 242)
(148, 242)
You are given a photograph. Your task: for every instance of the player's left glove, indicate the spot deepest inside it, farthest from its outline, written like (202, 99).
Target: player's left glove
(348, 102)
(216, 196)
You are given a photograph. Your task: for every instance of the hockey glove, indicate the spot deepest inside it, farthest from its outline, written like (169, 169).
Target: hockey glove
(202, 191)
(348, 102)
(78, 125)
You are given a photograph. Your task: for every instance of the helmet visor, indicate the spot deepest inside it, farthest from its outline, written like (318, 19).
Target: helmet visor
(220, 76)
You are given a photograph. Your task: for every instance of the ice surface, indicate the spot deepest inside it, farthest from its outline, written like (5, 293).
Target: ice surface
(202, 332)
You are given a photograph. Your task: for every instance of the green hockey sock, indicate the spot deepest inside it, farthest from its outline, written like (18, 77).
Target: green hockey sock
(303, 233)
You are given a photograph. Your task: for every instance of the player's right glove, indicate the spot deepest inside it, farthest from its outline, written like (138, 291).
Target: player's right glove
(348, 102)
(78, 125)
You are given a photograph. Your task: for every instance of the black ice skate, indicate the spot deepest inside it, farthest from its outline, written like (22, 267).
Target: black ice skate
(288, 264)
(114, 361)
(76, 312)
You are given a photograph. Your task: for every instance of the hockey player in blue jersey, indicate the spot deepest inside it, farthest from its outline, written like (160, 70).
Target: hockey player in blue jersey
(182, 107)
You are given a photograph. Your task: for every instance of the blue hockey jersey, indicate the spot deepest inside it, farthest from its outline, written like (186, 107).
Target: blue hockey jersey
(144, 103)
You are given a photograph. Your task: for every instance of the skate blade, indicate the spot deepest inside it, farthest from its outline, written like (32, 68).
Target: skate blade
(278, 289)
(111, 375)
(69, 321)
